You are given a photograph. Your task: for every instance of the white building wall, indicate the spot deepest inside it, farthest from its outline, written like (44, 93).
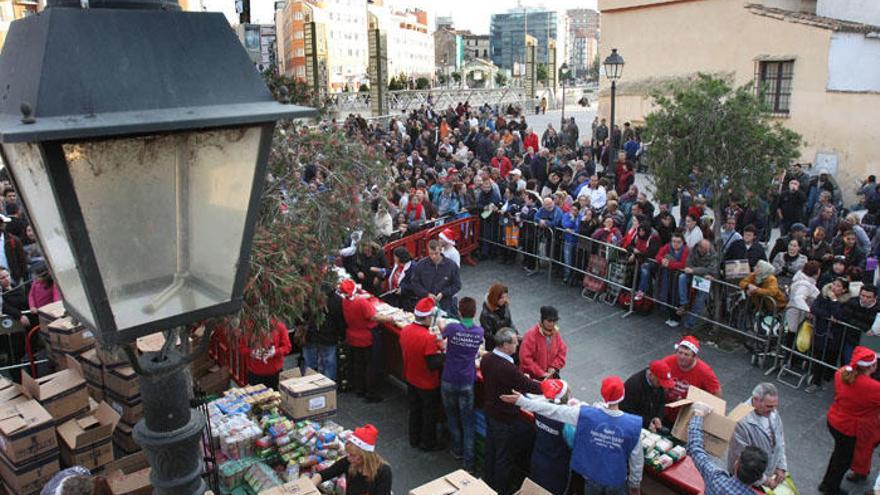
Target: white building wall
(853, 63)
(346, 22)
(864, 11)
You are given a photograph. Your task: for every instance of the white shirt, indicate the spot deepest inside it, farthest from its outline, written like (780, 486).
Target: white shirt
(505, 356)
(693, 237)
(598, 198)
(3, 261)
(452, 253)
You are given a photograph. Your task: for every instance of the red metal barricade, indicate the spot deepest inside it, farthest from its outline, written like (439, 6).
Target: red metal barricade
(224, 349)
(468, 238)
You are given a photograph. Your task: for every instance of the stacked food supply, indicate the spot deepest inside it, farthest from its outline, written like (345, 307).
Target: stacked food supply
(260, 447)
(661, 451)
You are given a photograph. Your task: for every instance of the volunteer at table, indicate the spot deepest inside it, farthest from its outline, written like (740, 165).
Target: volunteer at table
(856, 401)
(687, 369)
(266, 353)
(646, 394)
(360, 319)
(366, 472)
(422, 361)
(607, 451)
(551, 455)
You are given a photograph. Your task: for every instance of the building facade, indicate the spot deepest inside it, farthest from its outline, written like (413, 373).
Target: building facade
(582, 41)
(411, 48)
(11, 10)
(343, 27)
(448, 50)
(507, 36)
(817, 61)
(477, 46)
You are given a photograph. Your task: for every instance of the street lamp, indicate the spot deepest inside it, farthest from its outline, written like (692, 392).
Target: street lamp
(138, 137)
(613, 71)
(563, 75)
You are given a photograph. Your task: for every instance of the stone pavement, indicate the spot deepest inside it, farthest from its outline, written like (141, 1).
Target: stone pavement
(600, 343)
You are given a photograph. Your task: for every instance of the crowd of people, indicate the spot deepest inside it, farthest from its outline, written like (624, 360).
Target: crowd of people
(580, 192)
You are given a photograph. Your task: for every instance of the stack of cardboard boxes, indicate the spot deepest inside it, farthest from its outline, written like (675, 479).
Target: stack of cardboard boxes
(68, 337)
(28, 445)
(123, 392)
(86, 441)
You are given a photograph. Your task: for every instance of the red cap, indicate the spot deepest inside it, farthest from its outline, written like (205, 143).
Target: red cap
(661, 371)
(554, 389)
(425, 307)
(612, 390)
(862, 356)
(348, 287)
(448, 236)
(690, 342)
(365, 437)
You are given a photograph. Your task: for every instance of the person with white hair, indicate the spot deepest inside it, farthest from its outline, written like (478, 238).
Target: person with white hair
(761, 428)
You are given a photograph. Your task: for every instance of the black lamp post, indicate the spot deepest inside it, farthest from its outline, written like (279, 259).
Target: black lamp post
(138, 136)
(563, 75)
(613, 71)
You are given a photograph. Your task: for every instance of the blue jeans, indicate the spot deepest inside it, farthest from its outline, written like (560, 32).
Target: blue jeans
(646, 271)
(458, 401)
(568, 257)
(321, 358)
(699, 298)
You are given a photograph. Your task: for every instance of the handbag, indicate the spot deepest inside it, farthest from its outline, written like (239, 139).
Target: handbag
(804, 337)
(787, 487)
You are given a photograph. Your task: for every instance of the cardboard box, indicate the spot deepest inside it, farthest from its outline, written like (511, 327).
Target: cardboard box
(66, 335)
(27, 431)
(63, 394)
(215, 381)
(302, 486)
(458, 482)
(30, 477)
(122, 437)
(10, 392)
(122, 381)
(86, 441)
(529, 487)
(110, 357)
(130, 410)
(91, 367)
(96, 392)
(129, 475)
(717, 427)
(47, 314)
(312, 396)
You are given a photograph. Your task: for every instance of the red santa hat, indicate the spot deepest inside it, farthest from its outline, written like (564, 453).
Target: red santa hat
(612, 390)
(347, 287)
(862, 357)
(690, 342)
(448, 236)
(425, 307)
(365, 437)
(554, 389)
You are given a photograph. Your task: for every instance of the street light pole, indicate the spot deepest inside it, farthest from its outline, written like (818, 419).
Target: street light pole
(612, 154)
(613, 70)
(563, 75)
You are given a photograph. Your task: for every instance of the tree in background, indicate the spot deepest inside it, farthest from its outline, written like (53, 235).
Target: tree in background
(423, 83)
(456, 76)
(594, 68)
(542, 73)
(287, 89)
(363, 88)
(726, 134)
(441, 79)
(500, 79)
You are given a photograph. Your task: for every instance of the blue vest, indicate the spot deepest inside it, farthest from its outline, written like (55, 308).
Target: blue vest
(602, 445)
(551, 456)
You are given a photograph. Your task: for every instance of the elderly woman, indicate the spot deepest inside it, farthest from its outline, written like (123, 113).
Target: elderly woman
(802, 293)
(762, 283)
(787, 263)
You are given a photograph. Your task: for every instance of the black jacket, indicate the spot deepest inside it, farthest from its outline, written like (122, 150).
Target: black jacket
(857, 316)
(331, 330)
(492, 321)
(642, 399)
(15, 301)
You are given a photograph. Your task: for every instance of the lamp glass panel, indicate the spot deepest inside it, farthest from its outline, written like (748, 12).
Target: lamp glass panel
(32, 179)
(166, 215)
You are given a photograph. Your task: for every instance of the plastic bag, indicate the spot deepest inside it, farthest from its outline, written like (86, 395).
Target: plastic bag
(804, 337)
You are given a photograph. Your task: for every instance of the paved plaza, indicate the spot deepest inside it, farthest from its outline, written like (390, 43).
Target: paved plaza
(600, 343)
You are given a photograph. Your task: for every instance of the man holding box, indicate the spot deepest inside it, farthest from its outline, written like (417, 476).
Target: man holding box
(687, 369)
(761, 428)
(749, 466)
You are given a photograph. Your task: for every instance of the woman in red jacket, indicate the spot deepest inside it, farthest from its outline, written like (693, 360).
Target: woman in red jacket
(856, 399)
(542, 351)
(266, 355)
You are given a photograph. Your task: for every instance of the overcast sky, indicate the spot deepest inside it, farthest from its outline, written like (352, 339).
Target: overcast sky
(475, 15)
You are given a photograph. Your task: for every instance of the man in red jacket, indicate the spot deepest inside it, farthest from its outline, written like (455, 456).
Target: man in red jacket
(422, 361)
(501, 162)
(531, 141)
(266, 354)
(542, 352)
